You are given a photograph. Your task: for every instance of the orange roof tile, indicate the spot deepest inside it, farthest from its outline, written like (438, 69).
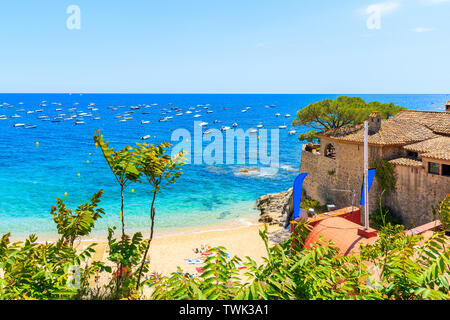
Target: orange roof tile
(342, 232)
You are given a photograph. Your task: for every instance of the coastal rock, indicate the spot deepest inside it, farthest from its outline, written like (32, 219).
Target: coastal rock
(275, 207)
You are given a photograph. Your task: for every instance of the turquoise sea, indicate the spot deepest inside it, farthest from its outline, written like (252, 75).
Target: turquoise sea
(32, 177)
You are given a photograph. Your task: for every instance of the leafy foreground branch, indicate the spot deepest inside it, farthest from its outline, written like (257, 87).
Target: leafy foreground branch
(397, 266)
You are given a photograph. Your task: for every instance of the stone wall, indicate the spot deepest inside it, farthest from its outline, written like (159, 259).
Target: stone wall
(416, 191)
(336, 188)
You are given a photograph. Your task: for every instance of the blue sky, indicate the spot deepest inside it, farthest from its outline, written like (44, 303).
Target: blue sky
(246, 46)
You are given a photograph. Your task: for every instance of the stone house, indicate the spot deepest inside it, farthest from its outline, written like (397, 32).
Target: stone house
(417, 143)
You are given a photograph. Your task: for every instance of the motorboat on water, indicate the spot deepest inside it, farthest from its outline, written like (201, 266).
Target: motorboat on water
(145, 121)
(145, 137)
(225, 128)
(18, 125)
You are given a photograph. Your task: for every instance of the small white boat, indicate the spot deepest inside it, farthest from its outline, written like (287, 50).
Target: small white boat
(282, 127)
(188, 111)
(225, 128)
(277, 114)
(244, 110)
(31, 127)
(292, 132)
(235, 124)
(253, 131)
(15, 116)
(203, 124)
(208, 131)
(163, 119)
(145, 121)
(197, 115)
(287, 115)
(17, 125)
(79, 122)
(145, 137)
(259, 126)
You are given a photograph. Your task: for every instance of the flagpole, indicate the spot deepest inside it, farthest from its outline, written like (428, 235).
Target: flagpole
(366, 175)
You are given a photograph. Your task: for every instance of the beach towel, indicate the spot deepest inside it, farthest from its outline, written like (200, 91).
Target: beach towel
(199, 269)
(194, 261)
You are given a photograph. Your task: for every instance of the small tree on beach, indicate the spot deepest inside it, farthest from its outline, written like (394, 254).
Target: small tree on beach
(122, 166)
(160, 170)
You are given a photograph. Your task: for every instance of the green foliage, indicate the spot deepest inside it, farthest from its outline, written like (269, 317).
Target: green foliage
(120, 162)
(42, 271)
(125, 253)
(381, 217)
(72, 225)
(314, 204)
(156, 165)
(343, 111)
(385, 175)
(408, 270)
(309, 136)
(442, 212)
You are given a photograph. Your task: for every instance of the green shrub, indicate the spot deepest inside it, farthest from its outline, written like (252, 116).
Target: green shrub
(381, 217)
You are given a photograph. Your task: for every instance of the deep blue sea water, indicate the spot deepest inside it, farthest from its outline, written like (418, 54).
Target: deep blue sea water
(31, 176)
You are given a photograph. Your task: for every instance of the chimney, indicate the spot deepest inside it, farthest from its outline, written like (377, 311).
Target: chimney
(374, 122)
(447, 106)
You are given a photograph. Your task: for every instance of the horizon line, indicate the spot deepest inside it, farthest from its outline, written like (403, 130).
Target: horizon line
(226, 93)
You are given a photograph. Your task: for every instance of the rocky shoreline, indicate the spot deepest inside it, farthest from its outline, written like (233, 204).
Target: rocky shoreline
(276, 208)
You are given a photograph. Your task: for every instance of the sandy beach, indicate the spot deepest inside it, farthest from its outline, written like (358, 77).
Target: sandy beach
(170, 251)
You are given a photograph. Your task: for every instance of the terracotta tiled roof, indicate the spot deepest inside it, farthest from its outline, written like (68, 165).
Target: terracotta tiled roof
(407, 162)
(392, 132)
(438, 154)
(437, 121)
(435, 144)
(342, 232)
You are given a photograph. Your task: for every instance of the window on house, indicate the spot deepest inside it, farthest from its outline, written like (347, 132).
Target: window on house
(433, 168)
(330, 151)
(446, 170)
(412, 154)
